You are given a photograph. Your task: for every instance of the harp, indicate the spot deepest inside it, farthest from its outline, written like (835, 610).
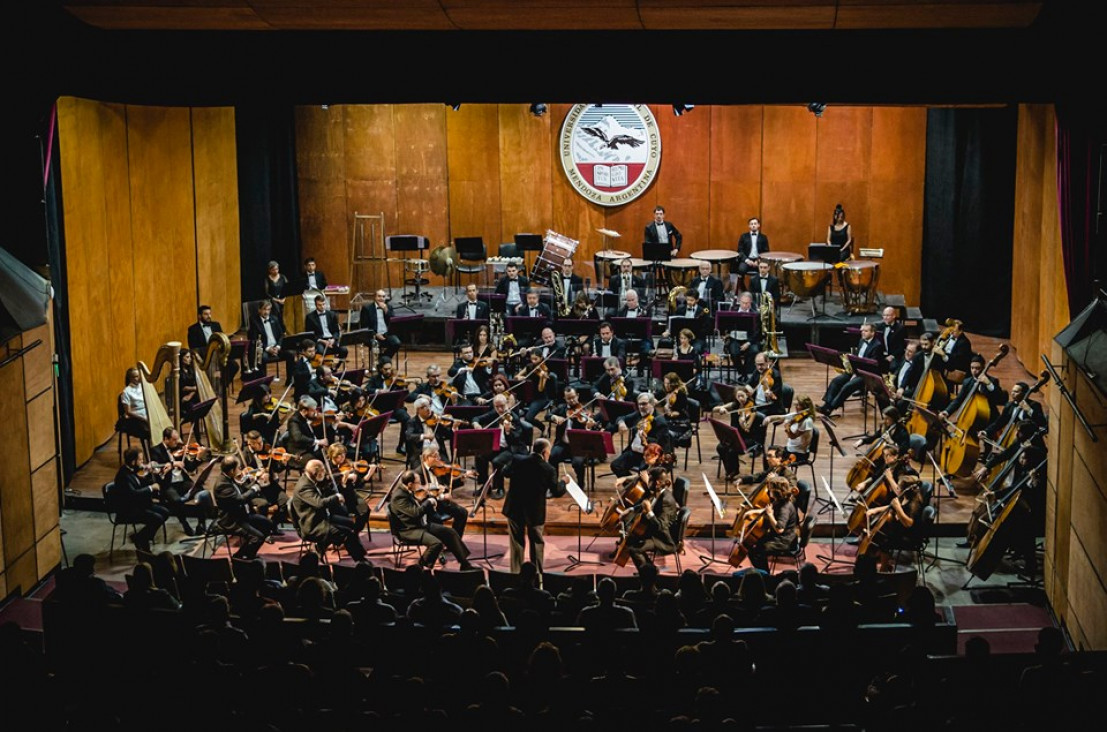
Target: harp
(216, 422)
(156, 411)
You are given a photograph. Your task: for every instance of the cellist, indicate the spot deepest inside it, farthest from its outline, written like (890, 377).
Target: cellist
(899, 515)
(782, 523)
(649, 525)
(891, 432)
(778, 465)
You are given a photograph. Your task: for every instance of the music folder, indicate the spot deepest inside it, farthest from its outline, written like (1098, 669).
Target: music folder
(819, 252)
(657, 251)
(632, 328)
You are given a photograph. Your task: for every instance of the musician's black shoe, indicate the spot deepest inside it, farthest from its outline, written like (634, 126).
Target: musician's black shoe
(497, 494)
(466, 565)
(276, 532)
(963, 545)
(187, 529)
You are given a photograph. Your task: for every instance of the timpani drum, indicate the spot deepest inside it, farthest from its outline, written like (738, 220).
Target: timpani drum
(717, 257)
(776, 261)
(858, 279)
(807, 279)
(606, 262)
(681, 271)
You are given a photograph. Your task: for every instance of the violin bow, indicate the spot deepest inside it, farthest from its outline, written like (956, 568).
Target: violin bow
(277, 408)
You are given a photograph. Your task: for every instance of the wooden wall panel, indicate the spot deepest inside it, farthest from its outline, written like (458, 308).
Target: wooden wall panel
(895, 222)
(526, 168)
(422, 171)
(44, 492)
(41, 445)
(39, 374)
(93, 150)
(843, 168)
(736, 144)
(472, 150)
(321, 171)
(159, 144)
(218, 264)
(16, 505)
(788, 178)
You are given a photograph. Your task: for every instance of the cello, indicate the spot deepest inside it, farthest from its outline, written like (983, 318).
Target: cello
(959, 455)
(753, 522)
(985, 556)
(887, 514)
(629, 496)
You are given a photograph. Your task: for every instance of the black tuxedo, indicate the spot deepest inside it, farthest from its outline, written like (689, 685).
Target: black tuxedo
(320, 281)
(992, 392)
(615, 284)
(651, 237)
(745, 248)
(542, 310)
(659, 530)
(315, 321)
(196, 339)
(576, 284)
(514, 441)
(367, 320)
(630, 460)
(712, 291)
(532, 479)
(602, 385)
(556, 351)
(458, 378)
(463, 310)
(743, 358)
(502, 287)
(842, 386)
(771, 285)
(618, 347)
(960, 355)
(1031, 410)
(643, 312)
(256, 332)
(700, 314)
(894, 338)
(918, 368)
(134, 500)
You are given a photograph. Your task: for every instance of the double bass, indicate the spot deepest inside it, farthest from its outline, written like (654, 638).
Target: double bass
(985, 555)
(1007, 437)
(931, 393)
(960, 454)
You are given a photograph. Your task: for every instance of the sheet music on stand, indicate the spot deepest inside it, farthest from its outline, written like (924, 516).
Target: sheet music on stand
(833, 498)
(579, 496)
(714, 496)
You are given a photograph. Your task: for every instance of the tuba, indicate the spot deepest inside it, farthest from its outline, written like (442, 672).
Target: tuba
(675, 296)
(767, 311)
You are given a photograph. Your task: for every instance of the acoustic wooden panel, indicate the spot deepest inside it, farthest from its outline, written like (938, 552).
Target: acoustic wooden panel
(218, 265)
(788, 178)
(527, 164)
(16, 504)
(471, 145)
(44, 492)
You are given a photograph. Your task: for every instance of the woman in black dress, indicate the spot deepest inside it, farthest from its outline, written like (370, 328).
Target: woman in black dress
(840, 234)
(276, 289)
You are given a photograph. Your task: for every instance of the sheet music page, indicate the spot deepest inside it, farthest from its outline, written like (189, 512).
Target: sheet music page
(714, 496)
(579, 496)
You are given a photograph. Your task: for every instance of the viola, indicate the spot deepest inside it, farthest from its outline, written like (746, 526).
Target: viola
(192, 450)
(619, 389)
(329, 416)
(447, 392)
(322, 359)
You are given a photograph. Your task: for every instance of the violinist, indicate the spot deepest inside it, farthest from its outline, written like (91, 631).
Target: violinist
(135, 491)
(613, 384)
(782, 517)
(470, 375)
(348, 481)
(749, 423)
(411, 507)
(606, 344)
(376, 317)
(903, 510)
(513, 441)
(778, 464)
(258, 456)
(483, 347)
(583, 308)
(767, 385)
(265, 333)
(799, 427)
(320, 513)
(442, 478)
(423, 431)
(386, 379)
(302, 370)
(304, 439)
(570, 415)
(500, 385)
(892, 431)
(233, 501)
(323, 324)
(472, 308)
(173, 479)
(646, 425)
(847, 383)
(544, 386)
(674, 401)
(657, 513)
(438, 393)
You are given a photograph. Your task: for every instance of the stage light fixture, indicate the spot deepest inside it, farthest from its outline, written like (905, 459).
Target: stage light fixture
(679, 109)
(453, 106)
(816, 108)
(538, 109)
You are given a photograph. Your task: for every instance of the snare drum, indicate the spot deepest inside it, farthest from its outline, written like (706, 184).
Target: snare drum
(682, 271)
(776, 261)
(607, 263)
(858, 279)
(807, 279)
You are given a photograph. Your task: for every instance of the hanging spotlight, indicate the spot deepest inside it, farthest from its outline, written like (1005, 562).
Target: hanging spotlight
(538, 109)
(453, 106)
(325, 107)
(816, 108)
(679, 109)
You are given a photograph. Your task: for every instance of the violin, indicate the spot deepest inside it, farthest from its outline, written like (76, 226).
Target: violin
(443, 419)
(192, 450)
(277, 454)
(361, 467)
(153, 469)
(396, 382)
(322, 359)
(442, 469)
(447, 392)
(274, 404)
(479, 363)
(619, 389)
(247, 475)
(766, 382)
(329, 416)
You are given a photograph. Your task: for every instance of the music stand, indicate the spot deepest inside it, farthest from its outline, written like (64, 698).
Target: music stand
(475, 442)
(480, 502)
(591, 367)
(709, 559)
(939, 477)
(523, 326)
(371, 428)
(613, 409)
(874, 384)
(678, 323)
(466, 412)
(836, 446)
(729, 435)
(829, 253)
(583, 506)
(410, 243)
(608, 300)
(592, 445)
(826, 356)
(252, 389)
(528, 243)
(497, 303)
(682, 367)
(835, 508)
(290, 344)
(355, 338)
(458, 328)
(197, 414)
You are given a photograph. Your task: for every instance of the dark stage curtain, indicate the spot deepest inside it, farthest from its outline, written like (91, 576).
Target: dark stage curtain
(968, 223)
(1081, 137)
(269, 215)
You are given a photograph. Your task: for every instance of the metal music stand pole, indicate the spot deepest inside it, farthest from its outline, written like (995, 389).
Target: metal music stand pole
(834, 506)
(939, 476)
(720, 509)
(481, 502)
(835, 447)
(593, 446)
